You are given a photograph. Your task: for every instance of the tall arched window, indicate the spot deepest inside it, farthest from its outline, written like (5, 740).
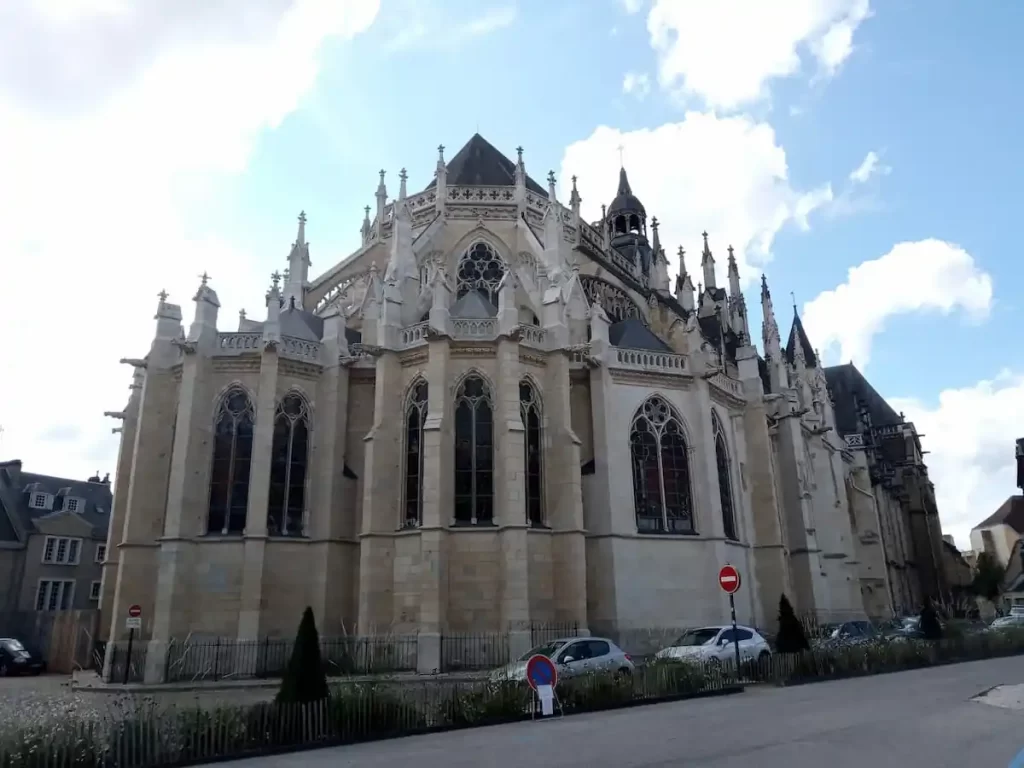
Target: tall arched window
(288, 459)
(232, 459)
(661, 474)
(480, 269)
(529, 409)
(474, 452)
(415, 415)
(724, 479)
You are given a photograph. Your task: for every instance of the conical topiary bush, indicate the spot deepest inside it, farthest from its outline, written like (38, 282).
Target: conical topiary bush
(304, 680)
(791, 637)
(930, 626)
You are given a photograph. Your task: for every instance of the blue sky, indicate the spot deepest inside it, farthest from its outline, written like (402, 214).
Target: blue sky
(865, 156)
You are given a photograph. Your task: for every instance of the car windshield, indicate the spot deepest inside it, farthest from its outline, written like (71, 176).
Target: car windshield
(697, 637)
(12, 645)
(549, 650)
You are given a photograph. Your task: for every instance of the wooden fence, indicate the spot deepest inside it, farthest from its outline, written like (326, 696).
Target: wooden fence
(64, 638)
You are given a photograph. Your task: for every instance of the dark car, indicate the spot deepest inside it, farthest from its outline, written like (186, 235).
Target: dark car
(16, 659)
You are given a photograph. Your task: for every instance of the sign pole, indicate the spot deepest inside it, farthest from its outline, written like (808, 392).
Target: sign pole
(128, 661)
(735, 634)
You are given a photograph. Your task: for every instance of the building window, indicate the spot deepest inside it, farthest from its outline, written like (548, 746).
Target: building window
(62, 550)
(661, 475)
(232, 459)
(101, 553)
(481, 270)
(94, 590)
(40, 501)
(71, 505)
(474, 452)
(55, 595)
(288, 462)
(724, 479)
(415, 415)
(529, 409)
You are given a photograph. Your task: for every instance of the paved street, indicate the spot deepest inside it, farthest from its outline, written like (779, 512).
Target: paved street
(920, 718)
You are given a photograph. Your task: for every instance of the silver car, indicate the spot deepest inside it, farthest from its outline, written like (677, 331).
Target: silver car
(572, 656)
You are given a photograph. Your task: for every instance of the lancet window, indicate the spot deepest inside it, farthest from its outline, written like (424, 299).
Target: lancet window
(724, 479)
(288, 465)
(530, 410)
(415, 415)
(480, 269)
(474, 452)
(661, 473)
(232, 460)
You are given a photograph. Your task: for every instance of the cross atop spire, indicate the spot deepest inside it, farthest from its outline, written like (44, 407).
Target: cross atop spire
(204, 278)
(275, 279)
(519, 152)
(302, 217)
(551, 177)
(402, 175)
(162, 296)
(793, 297)
(366, 210)
(440, 152)
(622, 163)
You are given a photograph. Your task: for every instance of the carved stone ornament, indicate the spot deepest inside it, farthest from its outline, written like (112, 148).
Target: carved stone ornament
(270, 345)
(186, 346)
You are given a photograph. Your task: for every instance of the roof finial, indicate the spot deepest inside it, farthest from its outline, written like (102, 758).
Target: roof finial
(519, 152)
(162, 296)
(241, 314)
(764, 285)
(440, 152)
(275, 279)
(302, 217)
(622, 163)
(366, 210)
(205, 278)
(793, 297)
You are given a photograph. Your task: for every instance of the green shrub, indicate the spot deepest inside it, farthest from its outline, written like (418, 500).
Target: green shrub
(595, 691)
(365, 710)
(304, 680)
(492, 703)
(672, 677)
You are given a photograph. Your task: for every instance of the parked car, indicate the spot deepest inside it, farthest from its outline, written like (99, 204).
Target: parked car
(17, 659)
(1013, 621)
(716, 644)
(573, 656)
(848, 633)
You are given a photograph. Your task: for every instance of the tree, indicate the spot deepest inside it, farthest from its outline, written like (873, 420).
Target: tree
(791, 637)
(930, 626)
(304, 680)
(988, 577)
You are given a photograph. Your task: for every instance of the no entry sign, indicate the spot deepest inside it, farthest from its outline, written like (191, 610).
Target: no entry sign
(135, 611)
(540, 671)
(729, 579)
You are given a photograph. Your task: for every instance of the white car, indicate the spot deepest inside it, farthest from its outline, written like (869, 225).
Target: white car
(715, 644)
(574, 656)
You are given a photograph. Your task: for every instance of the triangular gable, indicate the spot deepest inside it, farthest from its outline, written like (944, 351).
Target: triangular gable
(480, 164)
(63, 524)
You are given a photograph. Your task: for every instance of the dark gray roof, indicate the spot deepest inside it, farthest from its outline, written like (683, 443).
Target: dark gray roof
(797, 333)
(850, 390)
(473, 306)
(17, 488)
(1010, 513)
(479, 164)
(301, 324)
(625, 201)
(631, 333)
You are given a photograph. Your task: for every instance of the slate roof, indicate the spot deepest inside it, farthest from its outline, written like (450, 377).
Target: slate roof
(625, 201)
(473, 306)
(849, 387)
(633, 334)
(1010, 513)
(16, 488)
(301, 324)
(797, 333)
(480, 164)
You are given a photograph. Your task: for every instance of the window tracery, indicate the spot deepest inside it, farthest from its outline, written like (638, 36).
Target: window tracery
(288, 465)
(474, 452)
(232, 462)
(661, 473)
(415, 415)
(530, 410)
(724, 479)
(615, 302)
(480, 269)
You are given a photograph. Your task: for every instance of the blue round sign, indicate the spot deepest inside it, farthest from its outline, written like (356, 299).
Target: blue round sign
(540, 670)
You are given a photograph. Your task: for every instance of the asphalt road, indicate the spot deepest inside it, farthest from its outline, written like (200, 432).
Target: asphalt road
(920, 718)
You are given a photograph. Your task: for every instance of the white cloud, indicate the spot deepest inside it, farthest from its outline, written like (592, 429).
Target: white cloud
(426, 26)
(970, 434)
(632, 6)
(726, 175)
(931, 275)
(870, 166)
(636, 84)
(726, 52)
(104, 164)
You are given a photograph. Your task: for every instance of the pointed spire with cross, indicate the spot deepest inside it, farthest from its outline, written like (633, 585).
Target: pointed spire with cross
(162, 296)
(204, 279)
(519, 153)
(275, 279)
(440, 153)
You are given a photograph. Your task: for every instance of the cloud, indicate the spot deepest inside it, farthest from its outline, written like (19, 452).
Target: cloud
(727, 52)
(726, 175)
(870, 166)
(970, 434)
(631, 6)
(636, 84)
(425, 26)
(105, 166)
(933, 275)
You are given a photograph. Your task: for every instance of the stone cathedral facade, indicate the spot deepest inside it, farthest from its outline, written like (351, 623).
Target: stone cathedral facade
(492, 414)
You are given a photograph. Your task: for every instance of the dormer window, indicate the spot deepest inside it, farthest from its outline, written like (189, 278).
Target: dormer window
(72, 505)
(40, 501)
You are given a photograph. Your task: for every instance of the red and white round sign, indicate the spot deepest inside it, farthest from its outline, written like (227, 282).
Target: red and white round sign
(135, 611)
(729, 579)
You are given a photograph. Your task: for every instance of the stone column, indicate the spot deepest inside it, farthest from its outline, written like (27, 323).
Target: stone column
(437, 508)
(255, 536)
(510, 498)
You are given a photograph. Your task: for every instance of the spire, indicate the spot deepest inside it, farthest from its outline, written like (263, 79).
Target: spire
(551, 186)
(734, 275)
(624, 188)
(707, 263)
(382, 199)
(365, 230)
(799, 348)
(298, 265)
(402, 179)
(655, 242)
(574, 197)
(441, 175)
(684, 285)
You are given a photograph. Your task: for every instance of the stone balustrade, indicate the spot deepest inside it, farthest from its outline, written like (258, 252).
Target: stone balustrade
(725, 384)
(300, 349)
(239, 343)
(648, 361)
(471, 328)
(412, 336)
(532, 336)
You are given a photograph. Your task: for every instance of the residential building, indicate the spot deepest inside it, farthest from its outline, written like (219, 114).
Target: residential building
(493, 413)
(53, 538)
(999, 532)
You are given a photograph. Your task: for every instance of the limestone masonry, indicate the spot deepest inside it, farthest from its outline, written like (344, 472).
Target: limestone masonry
(494, 414)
